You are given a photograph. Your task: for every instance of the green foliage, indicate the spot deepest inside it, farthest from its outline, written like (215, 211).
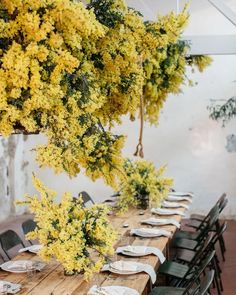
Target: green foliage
(224, 112)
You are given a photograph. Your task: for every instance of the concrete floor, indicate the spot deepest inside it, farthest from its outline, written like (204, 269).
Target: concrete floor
(228, 267)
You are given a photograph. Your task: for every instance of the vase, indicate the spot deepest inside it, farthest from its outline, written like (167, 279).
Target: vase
(72, 273)
(143, 201)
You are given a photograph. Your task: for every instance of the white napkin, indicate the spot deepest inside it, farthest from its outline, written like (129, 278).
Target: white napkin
(167, 204)
(21, 264)
(182, 194)
(177, 199)
(150, 232)
(162, 211)
(34, 248)
(12, 288)
(125, 266)
(159, 221)
(112, 290)
(142, 250)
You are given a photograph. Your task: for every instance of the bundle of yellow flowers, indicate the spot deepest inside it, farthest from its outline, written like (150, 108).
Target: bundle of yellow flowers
(72, 71)
(144, 184)
(79, 238)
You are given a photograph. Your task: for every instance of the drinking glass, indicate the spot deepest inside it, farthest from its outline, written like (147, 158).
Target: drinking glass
(31, 270)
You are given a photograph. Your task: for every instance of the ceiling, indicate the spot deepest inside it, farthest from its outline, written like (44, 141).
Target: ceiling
(204, 18)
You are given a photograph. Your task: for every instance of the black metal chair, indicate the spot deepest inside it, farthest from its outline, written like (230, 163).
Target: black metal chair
(8, 240)
(86, 198)
(192, 283)
(28, 226)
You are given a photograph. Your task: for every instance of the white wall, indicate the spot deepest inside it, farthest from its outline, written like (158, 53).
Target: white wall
(186, 139)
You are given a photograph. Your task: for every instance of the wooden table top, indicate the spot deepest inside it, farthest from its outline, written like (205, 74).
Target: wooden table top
(52, 281)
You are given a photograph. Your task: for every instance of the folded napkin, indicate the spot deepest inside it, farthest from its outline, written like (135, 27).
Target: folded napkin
(126, 266)
(162, 211)
(182, 194)
(142, 250)
(33, 248)
(177, 199)
(18, 265)
(167, 204)
(150, 232)
(22, 265)
(159, 221)
(112, 290)
(12, 288)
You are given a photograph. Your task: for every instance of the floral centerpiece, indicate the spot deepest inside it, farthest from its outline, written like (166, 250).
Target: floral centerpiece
(79, 238)
(143, 184)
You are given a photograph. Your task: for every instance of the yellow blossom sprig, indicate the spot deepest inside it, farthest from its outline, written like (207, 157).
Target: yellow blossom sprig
(79, 238)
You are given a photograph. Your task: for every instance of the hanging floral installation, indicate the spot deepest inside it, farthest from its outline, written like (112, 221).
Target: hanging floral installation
(79, 238)
(143, 184)
(72, 71)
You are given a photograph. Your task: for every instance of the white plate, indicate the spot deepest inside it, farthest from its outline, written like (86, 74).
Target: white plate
(157, 222)
(161, 211)
(136, 254)
(19, 268)
(116, 290)
(182, 194)
(123, 272)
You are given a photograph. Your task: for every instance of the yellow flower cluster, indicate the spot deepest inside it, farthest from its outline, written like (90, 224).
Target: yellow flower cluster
(143, 179)
(80, 238)
(200, 61)
(72, 72)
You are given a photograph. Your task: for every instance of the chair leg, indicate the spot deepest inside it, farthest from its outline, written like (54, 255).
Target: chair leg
(8, 257)
(216, 277)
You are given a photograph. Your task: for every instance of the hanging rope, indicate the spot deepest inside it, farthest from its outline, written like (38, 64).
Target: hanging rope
(139, 149)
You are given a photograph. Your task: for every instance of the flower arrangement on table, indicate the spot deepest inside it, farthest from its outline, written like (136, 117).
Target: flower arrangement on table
(143, 184)
(79, 238)
(71, 72)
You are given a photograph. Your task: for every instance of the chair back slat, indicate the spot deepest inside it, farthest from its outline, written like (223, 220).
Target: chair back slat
(8, 240)
(28, 226)
(196, 272)
(206, 282)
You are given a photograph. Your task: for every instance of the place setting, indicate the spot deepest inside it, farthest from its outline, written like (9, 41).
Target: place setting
(111, 290)
(22, 266)
(165, 211)
(123, 267)
(145, 232)
(9, 288)
(32, 249)
(139, 251)
(160, 222)
(168, 204)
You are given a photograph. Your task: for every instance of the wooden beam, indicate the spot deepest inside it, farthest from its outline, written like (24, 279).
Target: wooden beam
(211, 44)
(225, 10)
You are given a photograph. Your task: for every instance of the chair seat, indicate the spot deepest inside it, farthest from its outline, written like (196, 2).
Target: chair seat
(186, 235)
(194, 223)
(185, 255)
(197, 217)
(185, 244)
(167, 291)
(174, 269)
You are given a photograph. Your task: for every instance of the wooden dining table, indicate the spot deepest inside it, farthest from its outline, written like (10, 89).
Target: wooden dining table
(52, 281)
